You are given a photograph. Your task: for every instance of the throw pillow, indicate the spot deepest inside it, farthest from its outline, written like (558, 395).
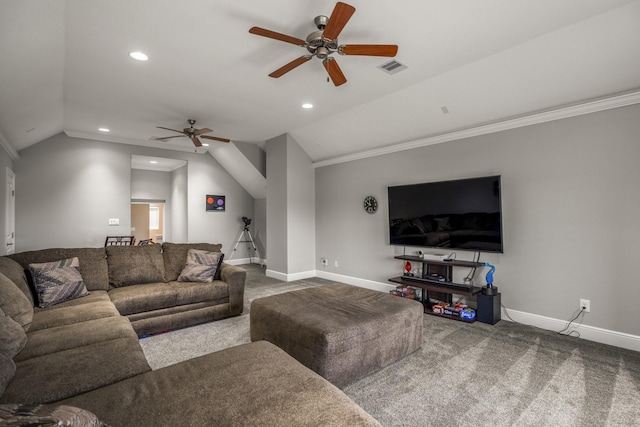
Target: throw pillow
(174, 255)
(57, 281)
(201, 266)
(38, 415)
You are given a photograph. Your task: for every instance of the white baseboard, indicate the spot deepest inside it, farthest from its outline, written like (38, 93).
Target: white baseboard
(238, 261)
(290, 277)
(591, 333)
(252, 260)
(363, 283)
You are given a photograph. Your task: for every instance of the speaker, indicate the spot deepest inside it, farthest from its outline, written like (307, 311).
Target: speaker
(489, 307)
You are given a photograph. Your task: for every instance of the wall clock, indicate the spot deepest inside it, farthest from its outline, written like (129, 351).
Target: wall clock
(370, 204)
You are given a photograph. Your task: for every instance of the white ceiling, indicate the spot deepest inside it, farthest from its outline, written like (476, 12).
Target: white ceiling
(64, 66)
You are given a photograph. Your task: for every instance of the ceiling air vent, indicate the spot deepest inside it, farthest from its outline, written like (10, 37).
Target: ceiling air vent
(392, 67)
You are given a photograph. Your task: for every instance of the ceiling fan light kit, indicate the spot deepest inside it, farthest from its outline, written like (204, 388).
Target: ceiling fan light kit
(324, 42)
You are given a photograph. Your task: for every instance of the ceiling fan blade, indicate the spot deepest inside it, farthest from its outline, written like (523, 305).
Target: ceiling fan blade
(277, 36)
(169, 137)
(215, 138)
(290, 66)
(338, 19)
(203, 130)
(173, 130)
(196, 141)
(334, 71)
(369, 49)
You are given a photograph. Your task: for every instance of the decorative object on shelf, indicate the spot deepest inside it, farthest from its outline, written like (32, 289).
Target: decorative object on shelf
(215, 203)
(407, 269)
(370, 204)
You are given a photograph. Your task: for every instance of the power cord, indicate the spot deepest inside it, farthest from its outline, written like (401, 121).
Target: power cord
(571, 333)
(560, 332)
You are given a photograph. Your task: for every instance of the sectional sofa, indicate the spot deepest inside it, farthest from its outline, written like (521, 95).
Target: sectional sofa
(72, 344)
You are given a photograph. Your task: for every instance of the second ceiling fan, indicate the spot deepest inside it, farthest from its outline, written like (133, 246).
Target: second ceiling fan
(192, 133)
(324, 42)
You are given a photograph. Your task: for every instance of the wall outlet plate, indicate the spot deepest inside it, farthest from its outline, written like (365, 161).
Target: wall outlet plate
(585, 304)
(114, 221)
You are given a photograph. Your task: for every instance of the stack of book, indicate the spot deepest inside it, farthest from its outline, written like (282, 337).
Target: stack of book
(404, 292)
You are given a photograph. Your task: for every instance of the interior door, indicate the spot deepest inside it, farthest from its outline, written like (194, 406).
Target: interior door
(10, 214)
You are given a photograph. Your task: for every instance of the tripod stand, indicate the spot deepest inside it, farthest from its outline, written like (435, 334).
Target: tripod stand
(250, 244)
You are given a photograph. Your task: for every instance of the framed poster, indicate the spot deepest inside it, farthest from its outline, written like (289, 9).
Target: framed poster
(215, 203)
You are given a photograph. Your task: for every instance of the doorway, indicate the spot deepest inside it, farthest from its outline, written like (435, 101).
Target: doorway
(10, 214)
(147, 220)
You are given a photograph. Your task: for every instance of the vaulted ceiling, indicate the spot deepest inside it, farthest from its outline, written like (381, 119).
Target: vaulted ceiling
(64, 66)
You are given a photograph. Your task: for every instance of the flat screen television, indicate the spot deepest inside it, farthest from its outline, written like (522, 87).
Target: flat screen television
(464, 214)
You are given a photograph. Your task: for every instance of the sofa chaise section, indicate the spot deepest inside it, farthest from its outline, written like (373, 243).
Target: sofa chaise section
(255, 384)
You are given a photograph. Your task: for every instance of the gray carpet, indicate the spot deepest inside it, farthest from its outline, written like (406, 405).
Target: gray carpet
(464, 374)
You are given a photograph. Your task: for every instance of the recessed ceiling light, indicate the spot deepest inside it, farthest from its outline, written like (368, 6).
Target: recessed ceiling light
(307, 105)
(204, 144)
(103, 129)
(153, 162)
(138, 56)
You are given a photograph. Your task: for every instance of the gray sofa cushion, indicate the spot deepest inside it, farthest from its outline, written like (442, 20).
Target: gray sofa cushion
(12, 336)
(143, 298)
(7, 371)
(61, 315)
(14, 303)
(175, 256)
(60, 338)
(93, 264)
(14, 271)
(133, 265)
(67, 373)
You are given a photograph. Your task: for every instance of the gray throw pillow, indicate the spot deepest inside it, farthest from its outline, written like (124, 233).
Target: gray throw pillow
(57, 281)
(201, 266)
(37, 415)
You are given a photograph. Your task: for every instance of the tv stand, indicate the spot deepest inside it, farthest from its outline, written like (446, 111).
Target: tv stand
(441, 288)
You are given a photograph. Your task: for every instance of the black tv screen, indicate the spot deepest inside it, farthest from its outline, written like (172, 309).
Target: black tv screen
(463, 214)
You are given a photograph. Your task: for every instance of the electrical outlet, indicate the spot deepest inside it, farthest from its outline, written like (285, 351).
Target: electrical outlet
(335, 263)
(114, 221)
(585, 305)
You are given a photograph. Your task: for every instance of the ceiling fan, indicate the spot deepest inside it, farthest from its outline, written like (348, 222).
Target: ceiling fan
(324, 42)
(193, 134)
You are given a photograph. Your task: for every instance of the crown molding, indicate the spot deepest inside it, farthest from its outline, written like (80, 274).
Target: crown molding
(8, 148)
(588, 107)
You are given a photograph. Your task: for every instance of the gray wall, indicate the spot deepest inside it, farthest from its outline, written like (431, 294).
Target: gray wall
(290, 207)
(68, 188)
(179, 215)
(5, 162)
(570, 211)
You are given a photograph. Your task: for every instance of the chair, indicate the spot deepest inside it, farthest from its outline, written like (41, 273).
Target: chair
(120, 241)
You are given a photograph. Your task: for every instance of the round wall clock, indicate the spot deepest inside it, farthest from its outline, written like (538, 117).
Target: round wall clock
(370, 204)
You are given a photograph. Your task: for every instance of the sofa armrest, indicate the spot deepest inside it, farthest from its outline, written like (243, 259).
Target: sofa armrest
(235, 277)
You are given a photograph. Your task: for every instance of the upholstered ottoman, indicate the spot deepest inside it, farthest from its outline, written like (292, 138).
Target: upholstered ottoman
(342, 332)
